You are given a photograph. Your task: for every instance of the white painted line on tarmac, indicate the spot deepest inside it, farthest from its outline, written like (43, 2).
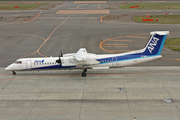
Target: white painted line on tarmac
(72, 8)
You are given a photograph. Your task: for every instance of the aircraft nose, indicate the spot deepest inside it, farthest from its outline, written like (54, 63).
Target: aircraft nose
(8, 68)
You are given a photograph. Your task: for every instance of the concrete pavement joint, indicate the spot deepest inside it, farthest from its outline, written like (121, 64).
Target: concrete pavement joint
(36, 100)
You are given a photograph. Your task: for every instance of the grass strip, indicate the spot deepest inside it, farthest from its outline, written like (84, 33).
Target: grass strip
(174, 48)
(162, 19)
(151, 5)
(21, 6)
(173, 41)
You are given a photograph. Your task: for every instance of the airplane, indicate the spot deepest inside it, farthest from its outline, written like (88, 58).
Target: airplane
(83, 60)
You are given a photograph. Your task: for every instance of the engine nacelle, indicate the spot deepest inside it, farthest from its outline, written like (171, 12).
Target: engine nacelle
(71, 61)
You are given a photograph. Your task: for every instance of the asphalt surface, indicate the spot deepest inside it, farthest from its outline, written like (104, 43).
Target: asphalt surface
(65, 94)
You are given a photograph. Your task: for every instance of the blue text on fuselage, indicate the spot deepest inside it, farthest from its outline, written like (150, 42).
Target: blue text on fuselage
(38, 61)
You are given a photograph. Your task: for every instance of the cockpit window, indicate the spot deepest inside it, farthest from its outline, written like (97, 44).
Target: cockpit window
(18, 62)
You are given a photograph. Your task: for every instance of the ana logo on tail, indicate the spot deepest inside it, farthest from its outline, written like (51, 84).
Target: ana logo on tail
(152, 44)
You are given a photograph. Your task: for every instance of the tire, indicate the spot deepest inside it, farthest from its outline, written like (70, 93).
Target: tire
(14, 73)
(83, 74)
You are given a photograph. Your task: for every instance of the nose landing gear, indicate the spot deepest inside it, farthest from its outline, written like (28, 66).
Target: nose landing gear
(13, 72)
(84, 72)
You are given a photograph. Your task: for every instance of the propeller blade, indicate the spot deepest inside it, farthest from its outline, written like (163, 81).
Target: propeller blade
(59, 60)
(61, 54)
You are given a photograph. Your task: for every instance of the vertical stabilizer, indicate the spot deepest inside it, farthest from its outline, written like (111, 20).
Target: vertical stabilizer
(156, 42)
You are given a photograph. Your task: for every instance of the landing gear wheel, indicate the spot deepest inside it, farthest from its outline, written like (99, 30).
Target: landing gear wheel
(83, 74)
(14, 73)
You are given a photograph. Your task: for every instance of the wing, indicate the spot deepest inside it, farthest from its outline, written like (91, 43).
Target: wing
(84, 58)
(81, 55)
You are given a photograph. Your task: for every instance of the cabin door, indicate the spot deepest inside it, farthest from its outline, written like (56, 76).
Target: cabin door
(114, 61)
(28, 64)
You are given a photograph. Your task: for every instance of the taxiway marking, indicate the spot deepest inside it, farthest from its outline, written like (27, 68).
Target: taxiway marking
(59, 6)
(99, 6)
(50, 36)
(78, 6)
(33, 18)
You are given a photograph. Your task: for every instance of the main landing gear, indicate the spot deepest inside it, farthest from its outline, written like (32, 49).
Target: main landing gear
(84, 72)
(13, 72)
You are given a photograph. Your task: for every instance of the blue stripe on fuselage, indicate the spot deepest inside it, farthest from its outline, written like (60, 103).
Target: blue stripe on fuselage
(55, 67)
(123, 58)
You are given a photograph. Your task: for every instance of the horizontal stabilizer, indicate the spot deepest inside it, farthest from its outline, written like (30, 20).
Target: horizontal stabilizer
(159, 32)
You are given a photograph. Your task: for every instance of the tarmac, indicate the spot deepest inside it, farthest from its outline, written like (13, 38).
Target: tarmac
(65, 95)
(138, 91)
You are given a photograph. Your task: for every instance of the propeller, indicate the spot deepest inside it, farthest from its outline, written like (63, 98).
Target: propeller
(61, 54)
(59, 60)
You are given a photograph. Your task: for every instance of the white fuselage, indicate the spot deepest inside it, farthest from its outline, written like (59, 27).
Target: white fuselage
(94, 61)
